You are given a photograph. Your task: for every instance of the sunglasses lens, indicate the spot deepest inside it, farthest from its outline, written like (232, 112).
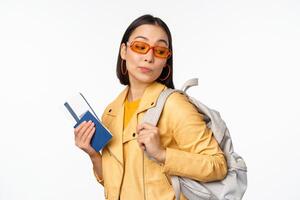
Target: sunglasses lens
(140, 47)
(161, 52)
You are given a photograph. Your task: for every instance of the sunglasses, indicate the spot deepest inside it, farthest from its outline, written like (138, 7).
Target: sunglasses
(143, 48)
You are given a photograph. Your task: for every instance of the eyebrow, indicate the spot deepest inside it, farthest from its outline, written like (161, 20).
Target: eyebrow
(160, 40)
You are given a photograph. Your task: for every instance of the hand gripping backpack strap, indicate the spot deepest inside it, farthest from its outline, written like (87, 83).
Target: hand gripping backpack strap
(153, 114)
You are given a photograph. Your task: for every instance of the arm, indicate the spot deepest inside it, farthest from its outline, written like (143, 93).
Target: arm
(83, 134)
(97, 167)
(198, 155)
(97, 159)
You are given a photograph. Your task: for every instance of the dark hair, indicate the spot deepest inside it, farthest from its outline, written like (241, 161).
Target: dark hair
(147, 19)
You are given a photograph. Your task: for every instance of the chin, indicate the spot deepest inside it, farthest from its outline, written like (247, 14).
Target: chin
(145, 79)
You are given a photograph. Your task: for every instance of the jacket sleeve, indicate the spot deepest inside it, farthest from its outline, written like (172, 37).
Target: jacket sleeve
(198, 155)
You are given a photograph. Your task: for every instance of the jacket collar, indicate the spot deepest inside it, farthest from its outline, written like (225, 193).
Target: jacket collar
(116, 109)
(148, 99)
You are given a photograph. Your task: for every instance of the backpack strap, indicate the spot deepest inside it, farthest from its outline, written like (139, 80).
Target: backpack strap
(176, 186)
(189, 83)
(153, 114)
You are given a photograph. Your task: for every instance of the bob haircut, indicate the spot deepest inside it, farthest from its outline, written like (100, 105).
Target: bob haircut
(147, 19)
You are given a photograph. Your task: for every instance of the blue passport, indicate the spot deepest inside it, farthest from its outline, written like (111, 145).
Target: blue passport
(101, 136)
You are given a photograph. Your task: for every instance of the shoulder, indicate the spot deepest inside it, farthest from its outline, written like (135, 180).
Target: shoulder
(177, 100)
(179, 107)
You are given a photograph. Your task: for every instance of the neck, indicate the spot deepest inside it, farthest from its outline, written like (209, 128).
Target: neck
(136, 90)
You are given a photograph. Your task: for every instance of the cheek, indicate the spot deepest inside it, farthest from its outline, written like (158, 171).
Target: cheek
(159, 68)
(133, 58)
(160, 65)
(132, 61)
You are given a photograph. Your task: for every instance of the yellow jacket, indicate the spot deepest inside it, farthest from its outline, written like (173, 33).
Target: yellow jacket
(191, 149)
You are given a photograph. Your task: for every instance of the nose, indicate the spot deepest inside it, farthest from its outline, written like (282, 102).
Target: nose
(149, 56)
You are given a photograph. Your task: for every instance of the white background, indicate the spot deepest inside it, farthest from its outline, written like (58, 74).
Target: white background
(245, 54)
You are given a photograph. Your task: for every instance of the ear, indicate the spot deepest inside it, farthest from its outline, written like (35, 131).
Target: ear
(123, 51)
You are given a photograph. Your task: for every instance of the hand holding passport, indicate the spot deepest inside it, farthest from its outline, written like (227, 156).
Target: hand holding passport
(81, 111)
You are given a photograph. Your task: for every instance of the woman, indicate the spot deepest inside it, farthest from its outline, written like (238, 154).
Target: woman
(181, 144)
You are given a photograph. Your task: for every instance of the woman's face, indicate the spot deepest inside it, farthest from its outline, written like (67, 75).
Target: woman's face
(145, 68)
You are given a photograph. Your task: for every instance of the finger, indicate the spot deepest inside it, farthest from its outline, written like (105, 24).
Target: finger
(147, 133)
(138, 128)
(145, 139)
(80, 137)
(140, 139)
(87, 132)
(79, 127)
(141, 144)
(83, 129)
(146, 126)
(143, 147)
(90, 135)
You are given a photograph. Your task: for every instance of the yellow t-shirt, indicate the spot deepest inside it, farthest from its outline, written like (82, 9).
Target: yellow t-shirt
(130, 108)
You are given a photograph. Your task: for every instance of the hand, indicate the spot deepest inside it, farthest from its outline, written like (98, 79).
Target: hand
(149, 140)
(83, 134)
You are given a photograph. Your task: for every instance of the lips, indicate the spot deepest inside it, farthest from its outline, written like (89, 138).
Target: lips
(144, 69)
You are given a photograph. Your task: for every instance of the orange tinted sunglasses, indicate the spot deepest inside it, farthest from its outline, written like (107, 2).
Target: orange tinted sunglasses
(143, 48)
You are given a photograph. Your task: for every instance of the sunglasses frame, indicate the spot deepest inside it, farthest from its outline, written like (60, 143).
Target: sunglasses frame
(150, 47)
